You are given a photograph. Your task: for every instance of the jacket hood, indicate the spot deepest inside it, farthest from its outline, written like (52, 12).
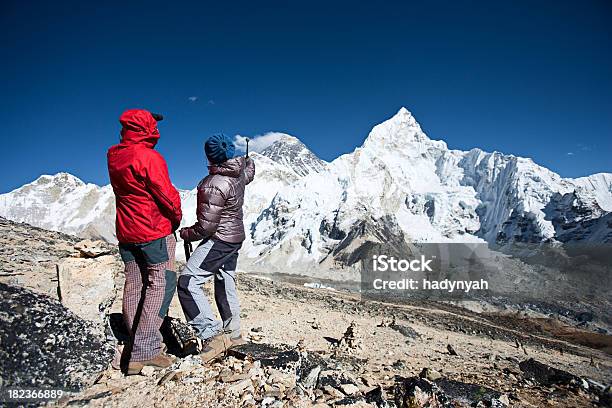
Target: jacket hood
(138, 126)
(231, 167)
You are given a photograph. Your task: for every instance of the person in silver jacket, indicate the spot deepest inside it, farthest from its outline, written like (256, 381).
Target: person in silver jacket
(220, 228)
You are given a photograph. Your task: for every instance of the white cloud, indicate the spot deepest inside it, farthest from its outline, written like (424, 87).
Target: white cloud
(211, 102)
(570, 153)
(193, 98)
(259, 142)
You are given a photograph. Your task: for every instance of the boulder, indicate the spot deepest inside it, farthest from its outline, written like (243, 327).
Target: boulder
(45, 345)
(349, 389)
(547, 375)
(269, 355)
(415, 392)
(311, 379)
(87, 285)
(430, 374)
(473, 394)
(92, 249)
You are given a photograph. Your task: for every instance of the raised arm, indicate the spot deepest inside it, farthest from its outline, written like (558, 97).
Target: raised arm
(249, 170)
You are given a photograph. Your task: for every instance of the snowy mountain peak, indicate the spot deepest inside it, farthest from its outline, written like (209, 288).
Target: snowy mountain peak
(405, 116)
(402, 119)
(399, 132)
(291, 152)
(61, 179)
(286, 138)
(283, 142)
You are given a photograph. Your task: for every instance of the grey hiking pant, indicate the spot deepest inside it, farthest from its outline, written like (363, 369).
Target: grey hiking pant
(211, 259)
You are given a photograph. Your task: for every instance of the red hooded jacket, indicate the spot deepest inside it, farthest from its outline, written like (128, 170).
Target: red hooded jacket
(148, 205)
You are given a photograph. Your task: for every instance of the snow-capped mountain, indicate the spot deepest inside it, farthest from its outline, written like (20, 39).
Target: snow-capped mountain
(399, 187)
(294, 155)
(64, 203)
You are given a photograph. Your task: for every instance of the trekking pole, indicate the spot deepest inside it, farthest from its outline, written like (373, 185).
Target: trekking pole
(247, 148)
(188, 249)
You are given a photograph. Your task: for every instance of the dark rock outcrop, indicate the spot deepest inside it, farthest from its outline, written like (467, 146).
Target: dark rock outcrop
(46, 345)
(471, 394)
(419, 392)
(546, 375)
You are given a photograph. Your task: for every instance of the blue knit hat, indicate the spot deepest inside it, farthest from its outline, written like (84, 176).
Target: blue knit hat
(218, 148)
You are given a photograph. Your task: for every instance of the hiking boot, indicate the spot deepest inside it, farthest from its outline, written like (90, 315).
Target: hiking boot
(214, 347)
(161, 360)
(237, 341)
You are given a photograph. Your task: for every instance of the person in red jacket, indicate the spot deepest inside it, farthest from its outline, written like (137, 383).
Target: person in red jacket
(148, 213)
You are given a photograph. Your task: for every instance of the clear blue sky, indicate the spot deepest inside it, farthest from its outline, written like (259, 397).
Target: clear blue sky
(522, 77)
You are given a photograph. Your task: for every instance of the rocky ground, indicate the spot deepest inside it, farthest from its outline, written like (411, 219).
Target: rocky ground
(308, 347)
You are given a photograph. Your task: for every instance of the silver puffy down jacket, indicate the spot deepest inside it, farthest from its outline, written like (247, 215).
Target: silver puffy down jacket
(220, 199)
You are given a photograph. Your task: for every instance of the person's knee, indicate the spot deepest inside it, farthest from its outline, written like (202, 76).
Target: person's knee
(193, 269)
(183, 283)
